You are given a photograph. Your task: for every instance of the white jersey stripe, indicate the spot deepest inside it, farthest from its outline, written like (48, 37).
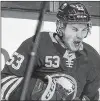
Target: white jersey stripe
(13, 87)
(3, 89)
(52, 38)
(6, 78)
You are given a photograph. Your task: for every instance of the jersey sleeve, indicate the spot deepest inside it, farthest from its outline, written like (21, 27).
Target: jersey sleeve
(94, 56)
(13, 73)
(93, 84)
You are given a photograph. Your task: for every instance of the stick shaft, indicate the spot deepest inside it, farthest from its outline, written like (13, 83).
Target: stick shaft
(31, 63)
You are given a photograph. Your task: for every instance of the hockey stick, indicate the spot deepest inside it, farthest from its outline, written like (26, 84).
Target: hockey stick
(33, 54)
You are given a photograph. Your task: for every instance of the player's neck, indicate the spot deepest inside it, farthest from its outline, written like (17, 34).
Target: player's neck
(61, 43)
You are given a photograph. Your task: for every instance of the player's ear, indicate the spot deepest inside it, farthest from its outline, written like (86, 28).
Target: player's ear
(59, 24)
(59, 27)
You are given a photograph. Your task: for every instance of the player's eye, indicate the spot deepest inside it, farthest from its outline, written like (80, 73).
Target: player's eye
(74, 29)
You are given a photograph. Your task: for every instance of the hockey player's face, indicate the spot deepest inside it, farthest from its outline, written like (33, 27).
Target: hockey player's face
(74, 35)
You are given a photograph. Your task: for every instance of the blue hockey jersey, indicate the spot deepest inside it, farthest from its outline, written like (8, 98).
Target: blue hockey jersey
(55, 77)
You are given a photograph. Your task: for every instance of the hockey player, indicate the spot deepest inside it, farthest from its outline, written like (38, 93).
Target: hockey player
(66, 68)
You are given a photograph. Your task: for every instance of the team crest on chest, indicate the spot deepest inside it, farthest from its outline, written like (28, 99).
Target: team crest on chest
(60, 86)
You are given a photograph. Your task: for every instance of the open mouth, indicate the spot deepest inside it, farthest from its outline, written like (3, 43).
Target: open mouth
(77, 43)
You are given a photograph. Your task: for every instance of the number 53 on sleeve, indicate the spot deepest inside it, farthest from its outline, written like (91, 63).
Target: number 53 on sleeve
(15, 61)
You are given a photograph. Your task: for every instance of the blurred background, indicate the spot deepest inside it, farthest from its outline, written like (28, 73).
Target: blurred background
(19, 20)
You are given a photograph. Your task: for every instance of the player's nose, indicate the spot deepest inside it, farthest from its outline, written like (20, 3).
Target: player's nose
(79, 35)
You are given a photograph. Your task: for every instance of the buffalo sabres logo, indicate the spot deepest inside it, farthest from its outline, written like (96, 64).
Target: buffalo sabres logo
(60, 87)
